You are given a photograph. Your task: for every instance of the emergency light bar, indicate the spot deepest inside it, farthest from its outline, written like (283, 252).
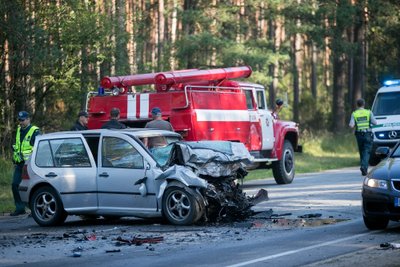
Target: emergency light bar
(391, 82)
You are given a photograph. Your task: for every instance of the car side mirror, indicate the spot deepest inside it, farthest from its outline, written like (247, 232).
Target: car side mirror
(382, 152)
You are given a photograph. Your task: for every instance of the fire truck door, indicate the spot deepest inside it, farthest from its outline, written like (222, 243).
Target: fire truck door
(267, 125)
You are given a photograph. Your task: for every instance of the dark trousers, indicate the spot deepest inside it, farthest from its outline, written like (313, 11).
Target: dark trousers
(364, 142)
(19, 205)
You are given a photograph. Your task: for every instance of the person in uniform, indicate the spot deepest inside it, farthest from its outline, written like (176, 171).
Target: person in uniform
(362, 119)
(23, 147)
(113, 123)
(81, 122)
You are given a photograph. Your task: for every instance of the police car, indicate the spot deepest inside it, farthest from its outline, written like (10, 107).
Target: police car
(386, 109)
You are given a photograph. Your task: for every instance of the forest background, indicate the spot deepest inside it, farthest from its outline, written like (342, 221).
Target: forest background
(318, 55)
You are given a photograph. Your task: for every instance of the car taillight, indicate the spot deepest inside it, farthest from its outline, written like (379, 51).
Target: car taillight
(25, 175)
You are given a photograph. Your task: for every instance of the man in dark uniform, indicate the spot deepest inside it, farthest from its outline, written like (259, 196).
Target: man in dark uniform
(362, 119)
(23, 146)
(81, 122)
(113, 123)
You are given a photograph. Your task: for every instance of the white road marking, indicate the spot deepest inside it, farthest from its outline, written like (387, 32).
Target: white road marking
(300, 250)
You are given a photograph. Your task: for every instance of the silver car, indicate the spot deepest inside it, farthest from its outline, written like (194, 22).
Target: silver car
(111, 173)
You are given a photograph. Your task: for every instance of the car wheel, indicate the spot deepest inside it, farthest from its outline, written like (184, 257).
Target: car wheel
(375, 223)
(47, 208)
(179, 206)
(284, 169)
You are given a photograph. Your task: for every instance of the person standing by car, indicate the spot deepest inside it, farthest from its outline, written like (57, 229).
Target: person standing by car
(157, 123)
(113, 123)
(81, 122)
(23, 147)
(362, 119)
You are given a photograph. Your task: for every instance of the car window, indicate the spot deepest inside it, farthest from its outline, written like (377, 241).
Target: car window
(69, 152)
(249, 99)
(118, 153)
(260, 99)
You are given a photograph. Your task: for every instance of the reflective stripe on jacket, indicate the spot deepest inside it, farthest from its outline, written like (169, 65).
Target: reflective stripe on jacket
(22, 150)
(362, 118)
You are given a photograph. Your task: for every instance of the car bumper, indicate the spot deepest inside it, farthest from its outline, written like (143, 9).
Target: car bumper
(380, 204)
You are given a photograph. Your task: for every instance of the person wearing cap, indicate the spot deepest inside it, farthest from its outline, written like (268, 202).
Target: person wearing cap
(81, 122)
(362, 119)
(113, 123)
(157, 123)
(23, 146)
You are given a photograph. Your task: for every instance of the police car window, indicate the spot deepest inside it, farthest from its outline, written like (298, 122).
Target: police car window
(249, 99)
(69, 152)
(118, 153)
(387, 104)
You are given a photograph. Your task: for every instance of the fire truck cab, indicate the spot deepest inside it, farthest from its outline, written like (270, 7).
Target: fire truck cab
(203, 105)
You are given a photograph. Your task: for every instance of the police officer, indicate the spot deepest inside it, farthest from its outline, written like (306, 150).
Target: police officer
(24, 141)
(362, 119)
(81, 122)
(113, 123)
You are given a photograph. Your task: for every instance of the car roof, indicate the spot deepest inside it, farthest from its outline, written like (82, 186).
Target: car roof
(138, 132)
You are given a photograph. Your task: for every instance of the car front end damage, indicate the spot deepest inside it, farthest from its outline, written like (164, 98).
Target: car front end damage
(211, 170)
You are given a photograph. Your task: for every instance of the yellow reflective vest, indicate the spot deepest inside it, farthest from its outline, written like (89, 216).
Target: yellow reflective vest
(22, 150)
(362, 119)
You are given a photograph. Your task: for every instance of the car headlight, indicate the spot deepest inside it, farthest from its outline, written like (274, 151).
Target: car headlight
(382, 184)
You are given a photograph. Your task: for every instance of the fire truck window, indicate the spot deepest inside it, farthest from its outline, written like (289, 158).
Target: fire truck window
(260, 100)
(249, 99)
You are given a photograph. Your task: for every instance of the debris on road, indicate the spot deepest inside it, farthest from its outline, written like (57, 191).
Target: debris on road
(310, 215)
(388, 245)
(140, 240)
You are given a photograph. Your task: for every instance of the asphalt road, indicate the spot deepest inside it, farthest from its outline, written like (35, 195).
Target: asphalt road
(332, 235)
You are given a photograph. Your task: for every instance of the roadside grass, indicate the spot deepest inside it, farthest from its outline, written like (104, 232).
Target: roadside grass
(323, 151)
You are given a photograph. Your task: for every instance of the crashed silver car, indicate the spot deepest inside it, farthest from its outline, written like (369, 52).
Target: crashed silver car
(111, 173)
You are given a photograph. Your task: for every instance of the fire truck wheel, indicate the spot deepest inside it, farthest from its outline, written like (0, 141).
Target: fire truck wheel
(283, 169)
(179, 206)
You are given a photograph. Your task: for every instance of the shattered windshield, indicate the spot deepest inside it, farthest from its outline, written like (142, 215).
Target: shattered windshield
(162, 154)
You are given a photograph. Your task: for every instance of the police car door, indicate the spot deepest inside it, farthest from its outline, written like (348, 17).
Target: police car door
(121, 164)
(266, 120)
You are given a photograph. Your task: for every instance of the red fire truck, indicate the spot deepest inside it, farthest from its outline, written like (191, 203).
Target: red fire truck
(203, 105)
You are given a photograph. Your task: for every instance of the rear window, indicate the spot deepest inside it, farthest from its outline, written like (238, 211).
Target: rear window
(387, 104)
(68, 152)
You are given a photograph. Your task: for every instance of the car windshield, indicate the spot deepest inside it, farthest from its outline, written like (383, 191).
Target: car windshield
(387, 104)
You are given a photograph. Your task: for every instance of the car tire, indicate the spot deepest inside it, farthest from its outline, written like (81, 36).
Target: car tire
(179, 206)
(284, 169)
(46, 207)
(375, 223)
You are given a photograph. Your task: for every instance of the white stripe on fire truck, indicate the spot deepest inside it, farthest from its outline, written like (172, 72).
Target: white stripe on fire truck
(144, 106)
(138, 107)
(222, 115)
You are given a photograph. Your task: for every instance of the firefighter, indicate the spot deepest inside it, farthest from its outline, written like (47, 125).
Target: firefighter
(24, 141)
(81, 122)
(113, 123)
(362, 119)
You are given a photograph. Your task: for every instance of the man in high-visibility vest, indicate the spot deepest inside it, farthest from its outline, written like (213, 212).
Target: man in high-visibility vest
(24, 141)
(362, 119)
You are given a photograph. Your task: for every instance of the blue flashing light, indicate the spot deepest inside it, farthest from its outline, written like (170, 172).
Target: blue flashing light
(391, 82)
(100, 91)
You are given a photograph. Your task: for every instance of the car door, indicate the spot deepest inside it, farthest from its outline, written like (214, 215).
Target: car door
(121, 165)
(68, 165)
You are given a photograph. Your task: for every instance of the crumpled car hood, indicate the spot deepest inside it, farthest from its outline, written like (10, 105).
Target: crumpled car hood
(211, 158)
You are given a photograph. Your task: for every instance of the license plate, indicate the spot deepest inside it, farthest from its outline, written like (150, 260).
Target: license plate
(397, 202)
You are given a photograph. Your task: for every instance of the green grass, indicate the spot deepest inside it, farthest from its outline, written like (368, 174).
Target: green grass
(320, 152)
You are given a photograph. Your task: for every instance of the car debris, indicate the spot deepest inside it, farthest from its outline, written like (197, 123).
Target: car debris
(137, 241)
(388, 245)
